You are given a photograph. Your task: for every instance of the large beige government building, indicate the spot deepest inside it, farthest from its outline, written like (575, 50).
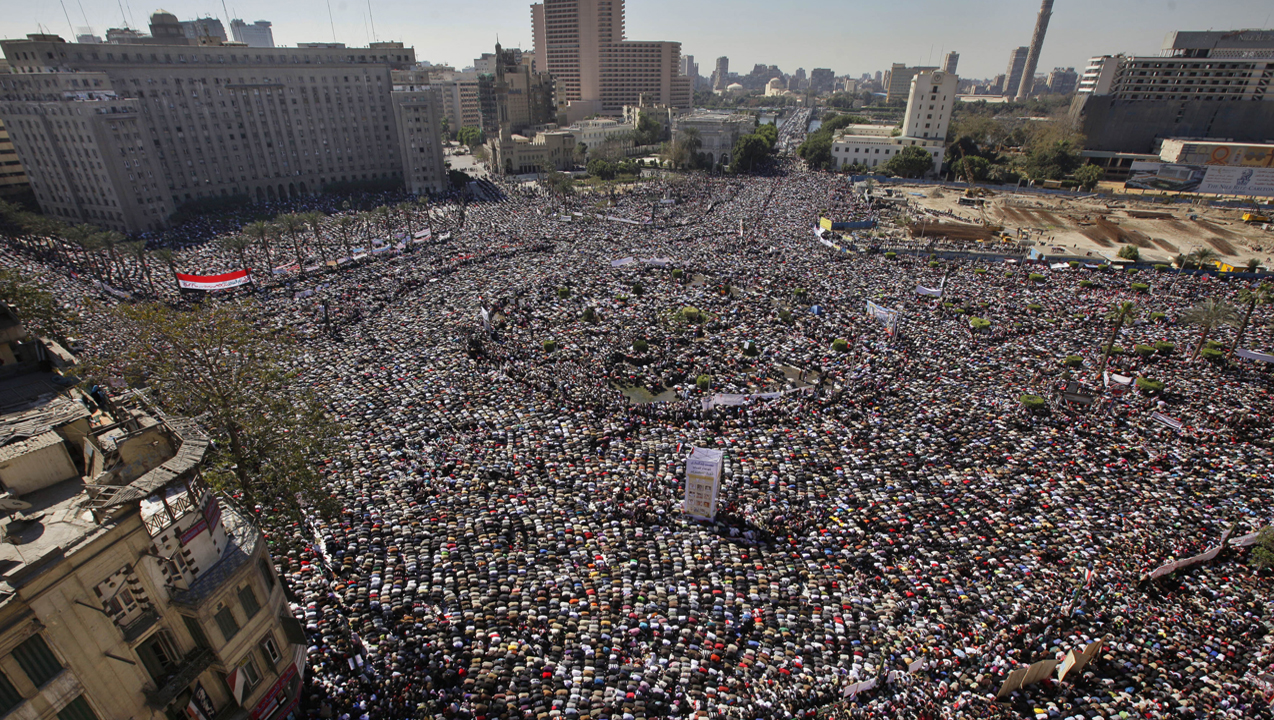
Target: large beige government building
(122, 135)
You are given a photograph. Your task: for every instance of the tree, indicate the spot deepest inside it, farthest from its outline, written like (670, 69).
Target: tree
(749, 151)
(269, 431)
(648, 131)
(137, 249)
(971, 165)
(239, 244)
(816, 151)
(1119, 314)
(581, 153)
(1208, 315)
(1261, 293)
(1130, 252)
(600, 168)
(1089, 175)
(913, 161)
(1263, 552)
(85, 237)
(469, 136)
(685, 148)
(293, 225)
(345, 226)
(1052, 161)
(444, 128)
(314, 220)
(261, 232)
(769, 133)
(39, 312)
(111, 240)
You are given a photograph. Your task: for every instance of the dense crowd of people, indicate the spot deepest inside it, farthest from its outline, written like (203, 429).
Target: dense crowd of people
(520, 390)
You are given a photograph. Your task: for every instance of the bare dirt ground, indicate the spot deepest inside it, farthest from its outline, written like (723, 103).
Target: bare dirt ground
(1099, 226)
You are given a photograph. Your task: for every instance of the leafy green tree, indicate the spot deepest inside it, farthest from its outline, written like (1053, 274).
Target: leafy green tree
(40, 313)
(215, 363)
(769, 133)
(749, 151)
(816, 150)
(1052, 161)
(239, 244)
(1263, 551)
(1088, 176)
(978, 167)
(649, 130)
(600, 168)
(913, 161)
(1130, 252)
(469, 136)
(1209, 315)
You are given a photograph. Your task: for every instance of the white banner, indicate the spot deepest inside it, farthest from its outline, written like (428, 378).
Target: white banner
(213, 282)
(703, 482)
(1254, 355)
(623, 261)
(931, 292)
(1171, 422)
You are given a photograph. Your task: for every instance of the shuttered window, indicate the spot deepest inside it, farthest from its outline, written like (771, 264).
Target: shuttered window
(9, 697)
(37, 660)
(77, 710)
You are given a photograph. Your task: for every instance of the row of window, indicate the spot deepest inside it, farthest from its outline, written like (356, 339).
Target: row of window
(41, 666)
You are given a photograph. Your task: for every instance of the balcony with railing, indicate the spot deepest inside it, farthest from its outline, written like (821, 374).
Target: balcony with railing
(137, 626)
(241, 538)
(190, 668)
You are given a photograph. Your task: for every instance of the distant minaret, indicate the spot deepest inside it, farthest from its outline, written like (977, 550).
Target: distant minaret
(1033, 58)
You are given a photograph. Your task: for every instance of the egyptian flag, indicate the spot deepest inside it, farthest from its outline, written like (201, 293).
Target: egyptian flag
(213, 282)
(238, 682)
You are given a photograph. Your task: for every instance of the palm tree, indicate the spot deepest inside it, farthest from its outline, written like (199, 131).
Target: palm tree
(239, 245)
(169, 259)
(1208, 315)
(137, 249)
(1262, 294)
(314, 220)
(369, 224)
(406, 211)
(293, 225)
(1119, 314)
(261, 231)
(345, 225)
(84, 236)
(111, 240)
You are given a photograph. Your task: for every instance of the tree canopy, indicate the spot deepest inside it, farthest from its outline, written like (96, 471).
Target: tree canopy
(912, 162)
(469, 136)
(37, 309)
(211, 362)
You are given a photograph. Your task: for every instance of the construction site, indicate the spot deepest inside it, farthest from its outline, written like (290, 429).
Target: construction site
(1093, 226)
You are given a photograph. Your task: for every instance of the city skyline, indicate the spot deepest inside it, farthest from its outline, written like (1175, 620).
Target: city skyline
(982, 31)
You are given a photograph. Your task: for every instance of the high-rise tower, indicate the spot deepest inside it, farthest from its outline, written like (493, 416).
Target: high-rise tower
(1033, 57)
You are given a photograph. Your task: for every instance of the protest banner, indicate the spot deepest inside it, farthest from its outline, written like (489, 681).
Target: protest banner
(223, 281)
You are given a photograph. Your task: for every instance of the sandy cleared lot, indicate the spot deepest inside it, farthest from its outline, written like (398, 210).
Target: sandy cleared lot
(1099, 226)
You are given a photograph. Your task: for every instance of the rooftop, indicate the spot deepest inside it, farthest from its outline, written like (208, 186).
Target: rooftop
(57, 521)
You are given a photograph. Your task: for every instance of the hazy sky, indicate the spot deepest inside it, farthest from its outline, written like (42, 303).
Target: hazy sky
(848, 37)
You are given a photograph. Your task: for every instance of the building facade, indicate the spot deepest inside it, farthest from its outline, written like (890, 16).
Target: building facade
(898, 82)
(121, 136)
(721, 75)
(1063, 81)
(929, 104)
(511, 93)
(418, 117)
(822, 80)
(131, 590)
(581, 44)
(1202, 84)
(259, 34)
(950, 62)
(717, 132)
(519, 155)
(1013, 74)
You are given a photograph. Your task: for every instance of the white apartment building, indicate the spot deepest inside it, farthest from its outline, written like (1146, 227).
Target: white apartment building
(609, 135)
(933, 93)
